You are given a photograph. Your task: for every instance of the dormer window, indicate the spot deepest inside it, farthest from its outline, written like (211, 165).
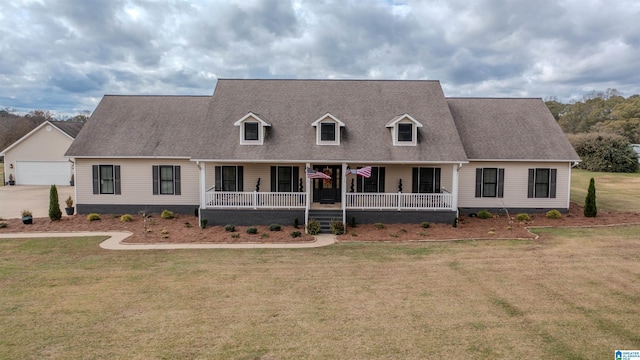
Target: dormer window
(252, 129)
(404, 130)
(328, 130)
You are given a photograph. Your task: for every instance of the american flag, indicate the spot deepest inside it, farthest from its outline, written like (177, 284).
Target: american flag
(364, 172)
(312, 174)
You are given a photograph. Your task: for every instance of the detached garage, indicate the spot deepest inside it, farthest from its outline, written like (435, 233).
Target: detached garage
(38, 157)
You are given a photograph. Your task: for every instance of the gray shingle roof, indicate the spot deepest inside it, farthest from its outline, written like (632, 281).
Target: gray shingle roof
(71, 128)
(509, 129)
(365, 106)
(142, 126)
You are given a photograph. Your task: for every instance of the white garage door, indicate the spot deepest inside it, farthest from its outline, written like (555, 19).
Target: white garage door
(43, 172)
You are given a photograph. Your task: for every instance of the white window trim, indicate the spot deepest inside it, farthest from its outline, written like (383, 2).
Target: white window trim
(251, 117)
(325, 119)
(404, 119)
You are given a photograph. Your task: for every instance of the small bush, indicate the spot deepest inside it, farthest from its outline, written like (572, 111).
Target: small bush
(295, 234)
(230, 228)
(296, 223)
(252, 230)
(26, 212)
(425, 224)
(166, 214)
(484, 214)
(353, 222)
(554, 214)
(54, 206)
(379, 226)
(523, 217)
(3, 225)
(93, 217)
(275, 227)
(337, 227)
(164, 232)
(235, 236)
(264, 235)
(126, 218)
(203, 223)
(590, 208)
(313, 227)
(188, 225)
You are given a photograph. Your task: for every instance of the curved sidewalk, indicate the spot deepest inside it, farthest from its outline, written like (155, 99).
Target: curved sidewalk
(114, 242)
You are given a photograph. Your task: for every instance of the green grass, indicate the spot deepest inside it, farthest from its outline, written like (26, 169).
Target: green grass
(571, 294)
(614, 191)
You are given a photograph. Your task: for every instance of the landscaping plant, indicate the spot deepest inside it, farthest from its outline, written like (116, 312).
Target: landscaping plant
(54, 205)
(590, 209)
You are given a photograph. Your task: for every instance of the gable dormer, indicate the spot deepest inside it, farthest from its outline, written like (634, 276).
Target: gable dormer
(328, 130)
(252, 129)
(404, 130)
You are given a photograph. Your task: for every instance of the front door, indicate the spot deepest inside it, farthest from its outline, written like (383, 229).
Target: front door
(327, 191)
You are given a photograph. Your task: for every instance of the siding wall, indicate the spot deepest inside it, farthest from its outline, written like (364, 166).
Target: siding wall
(515, 186)
(137, 183)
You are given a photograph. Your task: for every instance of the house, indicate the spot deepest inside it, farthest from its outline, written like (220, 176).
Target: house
(240, 156)
(38, 158)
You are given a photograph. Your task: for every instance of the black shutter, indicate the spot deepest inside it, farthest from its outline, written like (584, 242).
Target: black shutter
(436, 180)
(414, 180)
(532, 183)
(95, 169)
(479, 182)
(294, 178)
(116, 179)
(176, 180)
(500, 183)
(218, 178)
(552, 183)
(239, 186)
(274, 179)
(156, 176)
(359, 182)
(381, 179)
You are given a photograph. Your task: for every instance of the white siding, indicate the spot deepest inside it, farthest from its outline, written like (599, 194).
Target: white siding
(516, 176)
(393, 174)
(137, 182)
(250, 175)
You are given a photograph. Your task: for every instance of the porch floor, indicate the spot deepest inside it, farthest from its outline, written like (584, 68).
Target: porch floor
(319, 206)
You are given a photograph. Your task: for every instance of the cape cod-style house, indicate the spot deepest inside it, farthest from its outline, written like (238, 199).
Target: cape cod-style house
(271, 151)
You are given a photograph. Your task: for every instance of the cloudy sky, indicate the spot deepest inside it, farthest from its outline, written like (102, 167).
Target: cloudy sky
(64, 55)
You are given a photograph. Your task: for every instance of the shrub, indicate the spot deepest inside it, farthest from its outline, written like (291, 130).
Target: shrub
(337, 227)
(275, 227)
(235, 236)
(353, 222)
(26, 212)
(313, 227)
(590, 208)
(295, 234)
(126, 218)
(296, 223)
(523, 217)
(69, 202)
(188, 225)
(554, 214)
(3, 225)
(604, 152)
(54, 205)
(264, 235)
(425, 224)
(203, 223)
(166, 214)
(379, 226)
(484, 214)
(230, 228)
(252, 230)
(93, 217)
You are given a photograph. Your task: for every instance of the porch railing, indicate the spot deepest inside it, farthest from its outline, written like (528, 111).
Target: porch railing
(255, 200)
(398, 201)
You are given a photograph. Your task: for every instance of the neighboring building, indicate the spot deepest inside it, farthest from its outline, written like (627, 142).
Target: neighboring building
(636, 148)
(38, 158)
(240, 156)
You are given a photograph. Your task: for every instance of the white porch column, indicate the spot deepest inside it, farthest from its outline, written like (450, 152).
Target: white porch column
(343, 192)
(454, 185)
(203, 185)
(308, 197)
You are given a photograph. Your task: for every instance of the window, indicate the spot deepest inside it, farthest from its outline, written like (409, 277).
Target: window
(405, 132)
(373, 184)
(229, 178)
(106, 179)
(426, 180)
(166, 180)
(251, 131)
(542, 183)
(489, 182)
(284, 179)
(327, 131)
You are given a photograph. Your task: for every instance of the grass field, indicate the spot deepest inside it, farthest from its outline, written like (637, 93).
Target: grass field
(573, 294)
(614, 191)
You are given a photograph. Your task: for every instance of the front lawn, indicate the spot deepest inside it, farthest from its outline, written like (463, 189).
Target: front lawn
(614, 191)
(571, 294)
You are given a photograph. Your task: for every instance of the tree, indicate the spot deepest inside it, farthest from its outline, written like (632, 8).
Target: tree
(590, 209)
(604, 152)
(54, 204)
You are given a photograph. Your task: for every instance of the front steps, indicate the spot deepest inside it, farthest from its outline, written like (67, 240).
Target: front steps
(324, 217)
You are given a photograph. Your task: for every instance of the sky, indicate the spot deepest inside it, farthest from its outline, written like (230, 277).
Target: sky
(64, 55)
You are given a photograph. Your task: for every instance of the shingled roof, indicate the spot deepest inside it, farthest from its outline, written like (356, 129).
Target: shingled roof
(509, 129)
(142, 126)
(364, 106)
(71, 128)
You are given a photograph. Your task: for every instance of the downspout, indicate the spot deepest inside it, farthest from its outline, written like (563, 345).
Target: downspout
(75, 188)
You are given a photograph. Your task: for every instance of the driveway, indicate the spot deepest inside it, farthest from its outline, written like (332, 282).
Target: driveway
(14, 199)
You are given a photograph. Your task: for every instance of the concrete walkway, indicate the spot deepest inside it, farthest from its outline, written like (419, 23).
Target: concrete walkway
(116, 238)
